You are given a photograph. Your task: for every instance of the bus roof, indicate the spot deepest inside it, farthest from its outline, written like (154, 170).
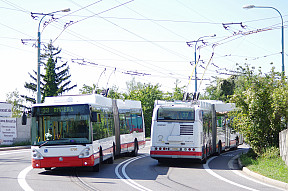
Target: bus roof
(220, 106)
(94, 99)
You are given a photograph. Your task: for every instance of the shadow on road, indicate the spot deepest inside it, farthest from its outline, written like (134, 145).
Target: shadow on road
(144, 168)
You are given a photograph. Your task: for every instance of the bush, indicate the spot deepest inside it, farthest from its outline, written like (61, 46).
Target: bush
(270, 153)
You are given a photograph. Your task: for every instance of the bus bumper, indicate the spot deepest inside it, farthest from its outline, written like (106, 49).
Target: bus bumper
(75, 161)
(176, 154)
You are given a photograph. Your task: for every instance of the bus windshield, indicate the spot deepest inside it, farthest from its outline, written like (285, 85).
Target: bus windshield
(58, 125)
(175, 114)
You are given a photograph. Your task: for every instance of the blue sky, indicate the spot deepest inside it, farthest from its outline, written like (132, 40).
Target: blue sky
(143, 37)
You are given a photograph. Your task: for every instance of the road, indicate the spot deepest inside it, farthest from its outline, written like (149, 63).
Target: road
(128, 173)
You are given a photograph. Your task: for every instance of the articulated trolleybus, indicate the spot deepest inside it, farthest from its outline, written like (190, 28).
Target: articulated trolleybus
(84, 130)
(191, 130)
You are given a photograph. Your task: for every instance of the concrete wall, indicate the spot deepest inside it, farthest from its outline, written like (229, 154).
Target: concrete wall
(283, 145)
(23, 131)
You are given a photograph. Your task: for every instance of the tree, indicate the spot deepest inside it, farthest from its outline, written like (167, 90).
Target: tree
(177, 93)
(87, 89)
(112, 92)
(221, 90)
(56, 80)
(262, 103)
(147, 94)
(16, 101)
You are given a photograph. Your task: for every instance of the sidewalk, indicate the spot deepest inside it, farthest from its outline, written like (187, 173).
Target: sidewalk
(14, 148)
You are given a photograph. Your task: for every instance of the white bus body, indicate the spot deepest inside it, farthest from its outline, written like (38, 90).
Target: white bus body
(189, 130)
(84, 130)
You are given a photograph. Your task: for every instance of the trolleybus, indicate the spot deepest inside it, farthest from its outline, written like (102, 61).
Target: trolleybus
(183, 129)
(84, 130)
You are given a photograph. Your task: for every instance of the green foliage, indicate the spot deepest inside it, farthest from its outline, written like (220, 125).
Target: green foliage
(177, 93)
(269, 163)
(87, 89)
(147, 94)
(112, 93)
(15, 99)
(221, 90)
(262, 108)
(56, 79)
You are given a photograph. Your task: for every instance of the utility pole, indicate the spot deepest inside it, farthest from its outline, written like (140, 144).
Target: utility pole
(38, 99)
(190, 44)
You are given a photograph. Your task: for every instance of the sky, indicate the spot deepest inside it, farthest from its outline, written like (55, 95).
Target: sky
(110, 42)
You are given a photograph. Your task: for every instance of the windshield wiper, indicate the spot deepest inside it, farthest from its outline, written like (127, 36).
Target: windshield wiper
(43, 144)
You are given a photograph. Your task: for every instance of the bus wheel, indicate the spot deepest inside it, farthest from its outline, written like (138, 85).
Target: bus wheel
(219, 148)
(204, 155)
(48, 168)
(111, 159)
(96, 168)
(135, 151)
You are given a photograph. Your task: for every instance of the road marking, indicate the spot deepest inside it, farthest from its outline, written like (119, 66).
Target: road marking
(206, 167)
(230, 165)
(126, 179)
(22, 181)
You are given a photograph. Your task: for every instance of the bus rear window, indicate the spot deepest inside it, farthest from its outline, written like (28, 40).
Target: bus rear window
(175, 114)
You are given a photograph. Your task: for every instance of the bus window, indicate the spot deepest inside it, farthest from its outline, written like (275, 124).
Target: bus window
(175, 114)
(136, 122)
(124, 123)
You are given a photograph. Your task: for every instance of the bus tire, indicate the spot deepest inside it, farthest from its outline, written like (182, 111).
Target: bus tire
(135, 151)
(111, 159)
(219, 148)
(96, 168)
(204, 155)
(101, 156)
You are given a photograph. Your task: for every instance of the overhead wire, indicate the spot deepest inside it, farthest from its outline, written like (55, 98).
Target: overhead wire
(126, 54)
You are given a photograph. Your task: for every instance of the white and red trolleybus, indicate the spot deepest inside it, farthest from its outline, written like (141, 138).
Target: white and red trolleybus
(189, 129)
(84, 130)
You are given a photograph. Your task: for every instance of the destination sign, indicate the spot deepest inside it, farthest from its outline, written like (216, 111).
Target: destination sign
(60, 110)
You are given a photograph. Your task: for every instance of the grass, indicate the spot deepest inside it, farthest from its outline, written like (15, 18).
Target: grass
(269, 164)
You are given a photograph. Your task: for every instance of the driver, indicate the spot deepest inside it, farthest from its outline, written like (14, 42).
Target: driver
(49, 134)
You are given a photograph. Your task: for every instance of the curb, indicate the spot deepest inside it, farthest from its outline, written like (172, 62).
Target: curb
(14, 148)
(261, 177)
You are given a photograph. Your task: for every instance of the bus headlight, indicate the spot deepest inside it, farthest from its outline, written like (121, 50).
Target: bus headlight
(85, 153)
(36, 154)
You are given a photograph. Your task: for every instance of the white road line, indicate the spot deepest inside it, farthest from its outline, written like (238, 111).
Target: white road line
(22, 179)
(230, 165)
(206, 167)
(126, 179)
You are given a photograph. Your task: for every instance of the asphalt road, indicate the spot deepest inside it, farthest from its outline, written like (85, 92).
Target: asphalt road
(128, 173)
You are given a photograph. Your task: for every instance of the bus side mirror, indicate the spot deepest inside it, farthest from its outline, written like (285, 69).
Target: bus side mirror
(24, 118)
(94, 117)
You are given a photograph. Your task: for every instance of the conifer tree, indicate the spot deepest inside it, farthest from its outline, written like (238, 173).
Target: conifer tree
(56, 79)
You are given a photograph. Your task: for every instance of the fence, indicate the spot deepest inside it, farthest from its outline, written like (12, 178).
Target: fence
(283, 145)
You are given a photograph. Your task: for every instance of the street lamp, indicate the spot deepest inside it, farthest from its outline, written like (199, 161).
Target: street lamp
(195, 56)
(282, 30)
(38, 100)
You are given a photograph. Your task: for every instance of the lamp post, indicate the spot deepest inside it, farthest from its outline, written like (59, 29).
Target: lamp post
(195, 55)
(282, 30)
(38, 100)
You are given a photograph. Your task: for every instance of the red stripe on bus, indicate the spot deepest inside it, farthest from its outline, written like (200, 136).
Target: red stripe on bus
(183, 153)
